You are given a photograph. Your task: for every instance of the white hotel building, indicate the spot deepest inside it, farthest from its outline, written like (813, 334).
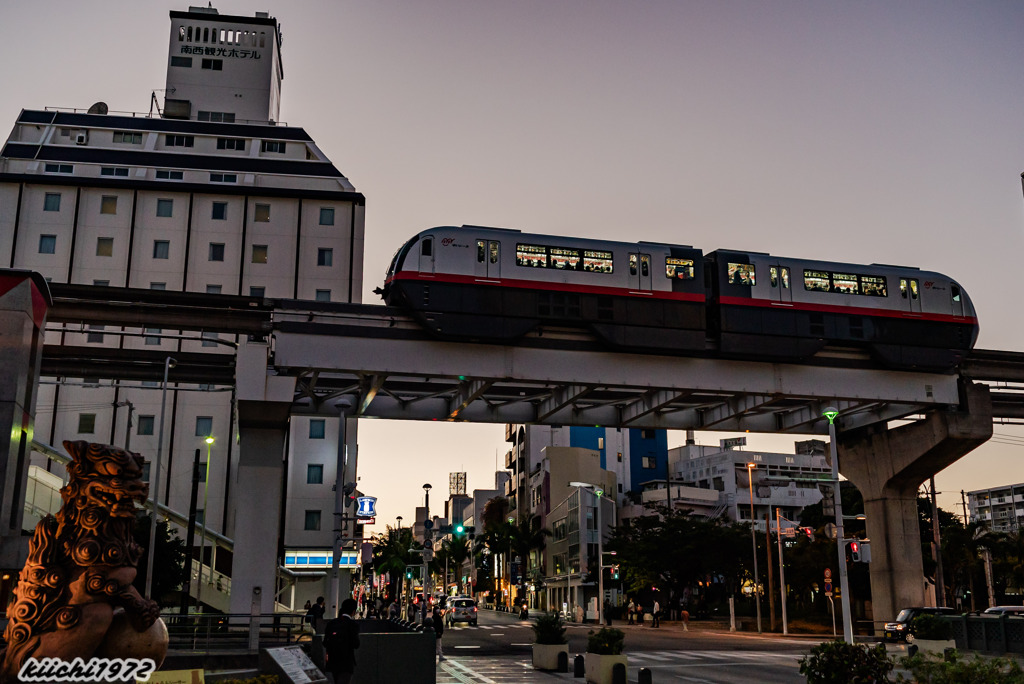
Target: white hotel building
(213, 196)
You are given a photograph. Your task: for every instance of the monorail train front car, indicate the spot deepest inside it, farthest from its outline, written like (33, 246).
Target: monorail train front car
(497, 284)
(494, 284)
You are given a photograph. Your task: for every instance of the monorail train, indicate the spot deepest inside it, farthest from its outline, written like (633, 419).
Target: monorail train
(495, 284)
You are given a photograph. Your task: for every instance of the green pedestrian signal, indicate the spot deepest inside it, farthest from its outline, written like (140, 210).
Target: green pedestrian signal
(459, 529)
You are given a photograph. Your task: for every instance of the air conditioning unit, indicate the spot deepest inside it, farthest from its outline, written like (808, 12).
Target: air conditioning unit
(81, 138)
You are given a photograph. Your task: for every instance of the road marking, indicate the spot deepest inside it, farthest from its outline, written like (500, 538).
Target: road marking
(465, 647)
(468, 671)
(521, 644)
(498, 634)
(651, 656)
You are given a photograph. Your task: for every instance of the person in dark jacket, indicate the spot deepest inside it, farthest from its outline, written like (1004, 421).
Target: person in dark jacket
(438, 630)
(341, 639)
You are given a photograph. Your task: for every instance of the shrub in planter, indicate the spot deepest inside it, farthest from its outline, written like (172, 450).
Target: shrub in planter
(935, 669)
(837, 662)
(931, 628)
(606, 641)
(549, 629)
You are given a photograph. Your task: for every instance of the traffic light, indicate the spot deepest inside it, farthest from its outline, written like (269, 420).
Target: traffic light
(809, 531)
(470, 531)
(615, 572)
(855, 551)
(408, 573)
(459, 529)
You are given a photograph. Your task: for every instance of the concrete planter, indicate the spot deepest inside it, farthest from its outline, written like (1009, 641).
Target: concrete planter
(599, 667)
(545, 656)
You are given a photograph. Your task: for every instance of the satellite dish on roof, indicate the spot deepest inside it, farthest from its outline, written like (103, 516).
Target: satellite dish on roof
(98, 108)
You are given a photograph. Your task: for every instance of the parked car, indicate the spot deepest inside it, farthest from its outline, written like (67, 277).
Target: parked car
(461, 610)
(1009, 610)
(899, 631)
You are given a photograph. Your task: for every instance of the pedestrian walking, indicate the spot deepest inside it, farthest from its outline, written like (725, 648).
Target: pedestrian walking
(316, 614)
(607, 612)
(685, 615)
(393, 610)
(579, 613)
(438, 631)
(656, 614)
(631, 612)
(341, 639)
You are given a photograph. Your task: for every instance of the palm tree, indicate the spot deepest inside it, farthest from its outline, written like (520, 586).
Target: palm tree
(458, 550)
(392, 553)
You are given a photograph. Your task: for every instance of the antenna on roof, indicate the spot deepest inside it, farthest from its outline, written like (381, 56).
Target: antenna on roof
(98, 108)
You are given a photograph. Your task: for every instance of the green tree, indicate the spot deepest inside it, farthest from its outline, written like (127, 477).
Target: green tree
(169, 560)
(392, 553)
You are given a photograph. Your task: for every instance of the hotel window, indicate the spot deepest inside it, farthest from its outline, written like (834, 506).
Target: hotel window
(312, 521)
(119, 171)
(179, 141)
(108, 204)
(105, 246)
(145, 425)
(161, 249)
(51, 202)
(213, 64)
(317, 428)
(323, 295)
(86, 423)
(153, 331)
(262, 213)
(95, 337)
(223, 178)
(214, 289)
(326, 216)
(324, 256)
(204, 426)
(169, 175)
(128, 137)
(209, 339)
(101, 283)
(220, 211)
(314, 473)
(648, 462)
(216, 251)
(231, 144)
(181, 61)
(59, 168)
(223, 117)
(47, 244)
(259, 254)
(257, 291)
(164, 208)
(272, 146)
(158, 286)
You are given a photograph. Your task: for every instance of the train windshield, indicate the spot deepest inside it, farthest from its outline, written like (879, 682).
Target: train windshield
(399, 258)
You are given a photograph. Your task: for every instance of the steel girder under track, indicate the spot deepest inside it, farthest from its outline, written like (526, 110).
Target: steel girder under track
(417, 379)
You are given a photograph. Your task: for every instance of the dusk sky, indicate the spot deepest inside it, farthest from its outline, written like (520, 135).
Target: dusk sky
(859, 132)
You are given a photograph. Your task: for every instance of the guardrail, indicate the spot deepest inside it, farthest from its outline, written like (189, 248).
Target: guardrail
(215, 632)
(993, 634)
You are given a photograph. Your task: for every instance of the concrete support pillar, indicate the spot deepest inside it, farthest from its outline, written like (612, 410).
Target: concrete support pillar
(263, 407)
(24, 301)
(888, 466)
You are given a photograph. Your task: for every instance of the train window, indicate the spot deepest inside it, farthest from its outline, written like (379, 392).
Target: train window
(481, 251)
(785, 278)
(597, 261)
(773, 275)
(817, 281)
(742, 274)
(645, 265)
(845, 283)
(903, 288)
(494, 251)
(565, 259)
(873, 286)
(679, 268)
(913, 288)
(955, 291)
(632, 264)
(427, 247)
(531, 255)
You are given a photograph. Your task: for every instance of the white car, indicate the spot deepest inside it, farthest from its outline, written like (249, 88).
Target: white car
(1009, 610)
(461, 610)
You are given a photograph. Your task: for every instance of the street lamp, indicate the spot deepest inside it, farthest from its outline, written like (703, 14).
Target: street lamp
(753, 541)
(508, 563)
(428, 539)
(597, 492)
(154, 472)
(401, 586)
(202, 544)
(844, 583)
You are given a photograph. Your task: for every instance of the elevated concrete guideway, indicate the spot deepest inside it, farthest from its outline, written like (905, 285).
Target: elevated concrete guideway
(372, 361)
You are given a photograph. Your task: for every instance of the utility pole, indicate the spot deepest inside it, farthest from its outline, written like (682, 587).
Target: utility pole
(771, 584)
(940, 585)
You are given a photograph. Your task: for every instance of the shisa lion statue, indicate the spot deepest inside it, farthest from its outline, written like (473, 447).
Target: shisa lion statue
(75, 597)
